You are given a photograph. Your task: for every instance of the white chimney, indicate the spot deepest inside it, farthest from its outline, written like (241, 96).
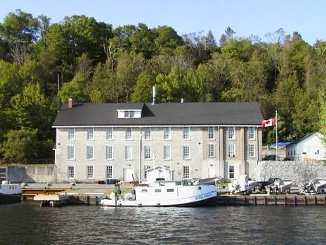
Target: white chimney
(154, 94)
(70, 103)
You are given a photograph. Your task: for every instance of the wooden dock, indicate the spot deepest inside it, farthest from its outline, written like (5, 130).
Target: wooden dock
(271, 200)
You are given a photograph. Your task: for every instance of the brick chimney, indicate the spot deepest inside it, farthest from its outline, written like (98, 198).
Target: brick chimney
(70, 103)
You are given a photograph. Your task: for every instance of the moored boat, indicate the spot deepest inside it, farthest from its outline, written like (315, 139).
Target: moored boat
(164, 193)
(9, 193)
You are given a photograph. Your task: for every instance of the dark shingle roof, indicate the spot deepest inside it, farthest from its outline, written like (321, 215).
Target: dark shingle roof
(190, 113)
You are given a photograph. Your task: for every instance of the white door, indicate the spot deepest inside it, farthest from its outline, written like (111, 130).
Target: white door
(128, 174)
(211, 172)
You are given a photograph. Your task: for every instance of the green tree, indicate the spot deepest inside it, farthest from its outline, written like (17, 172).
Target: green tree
(20, 145)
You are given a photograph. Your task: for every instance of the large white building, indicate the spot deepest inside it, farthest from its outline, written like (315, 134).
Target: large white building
(197, 140)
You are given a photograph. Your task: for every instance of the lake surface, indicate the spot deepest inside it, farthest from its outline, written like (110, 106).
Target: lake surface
(29, 224)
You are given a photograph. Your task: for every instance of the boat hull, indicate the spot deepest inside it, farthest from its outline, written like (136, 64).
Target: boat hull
(165, 196)
(9, 199)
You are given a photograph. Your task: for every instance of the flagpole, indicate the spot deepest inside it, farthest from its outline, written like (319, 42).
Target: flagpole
(276, 135)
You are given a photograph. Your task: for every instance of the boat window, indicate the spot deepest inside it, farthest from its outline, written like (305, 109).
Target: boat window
(144, 190)
(170, 190)
(199, 187)
(178, 183)
(157, 190)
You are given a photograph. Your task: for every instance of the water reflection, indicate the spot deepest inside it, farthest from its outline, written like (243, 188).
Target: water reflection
(30, 224)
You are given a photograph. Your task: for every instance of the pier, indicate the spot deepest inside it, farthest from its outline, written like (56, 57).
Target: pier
(91, 194)
(271, 200)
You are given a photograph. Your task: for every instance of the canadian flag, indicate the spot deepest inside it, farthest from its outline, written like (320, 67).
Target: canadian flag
(269, 122)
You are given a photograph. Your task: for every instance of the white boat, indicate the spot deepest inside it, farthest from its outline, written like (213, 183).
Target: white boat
(242, 185)
(163, 193)
(8, 188)
(279, 186)
(314, 187)
(9, 193)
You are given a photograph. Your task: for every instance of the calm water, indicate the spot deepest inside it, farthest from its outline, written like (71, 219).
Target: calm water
(30, 224)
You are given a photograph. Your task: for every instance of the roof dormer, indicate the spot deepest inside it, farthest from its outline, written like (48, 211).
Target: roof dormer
(134, 111)
(129, 113)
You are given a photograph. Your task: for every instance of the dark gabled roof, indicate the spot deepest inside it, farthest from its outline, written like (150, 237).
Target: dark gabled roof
(190, 113)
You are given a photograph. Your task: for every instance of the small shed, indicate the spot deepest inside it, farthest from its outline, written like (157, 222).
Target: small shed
(310, 148)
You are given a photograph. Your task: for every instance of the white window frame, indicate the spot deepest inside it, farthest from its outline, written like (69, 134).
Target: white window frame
(231, 133)
(211, 150)
(147, 133)
(109, 171)
(71, 172)
(231, 150)
(251, 133)
(167, 133)
(211, 133)
(231, 172)
(129, 114)
(145, 172)
(167, 152)
(90, 133)
(186, 172)
(147, 152)
(90, 152)
(186, 152)
(71, 133)
(109, 152)
(109, 133)
(90, 172)
(71, 152)
(186, 133)
(128, 152)
(251, 150)
(128, 133)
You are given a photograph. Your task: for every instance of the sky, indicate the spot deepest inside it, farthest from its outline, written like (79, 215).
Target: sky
(246, 17)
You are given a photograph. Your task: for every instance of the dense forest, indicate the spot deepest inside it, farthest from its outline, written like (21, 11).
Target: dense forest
(44, 64)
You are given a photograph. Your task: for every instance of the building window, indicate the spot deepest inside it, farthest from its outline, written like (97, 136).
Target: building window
(71, 152)
(186, 152)
(90, 152)
(231, 172)
(231, 150)
(109, 152)
(109, 133)
(129, 114)
(211, 133)
(231, 133)
(167, 152)
(145, 170)
(128, 152)
(186, 133)
(211, 150)
(109, 172)
(251, 133)
(128, 133)
(251, 150)
(71, 134)
(186, 172)
(90, 134)
(167, 133)
(147, 133)
(71, 172)
(90, 172)
(147, 152)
